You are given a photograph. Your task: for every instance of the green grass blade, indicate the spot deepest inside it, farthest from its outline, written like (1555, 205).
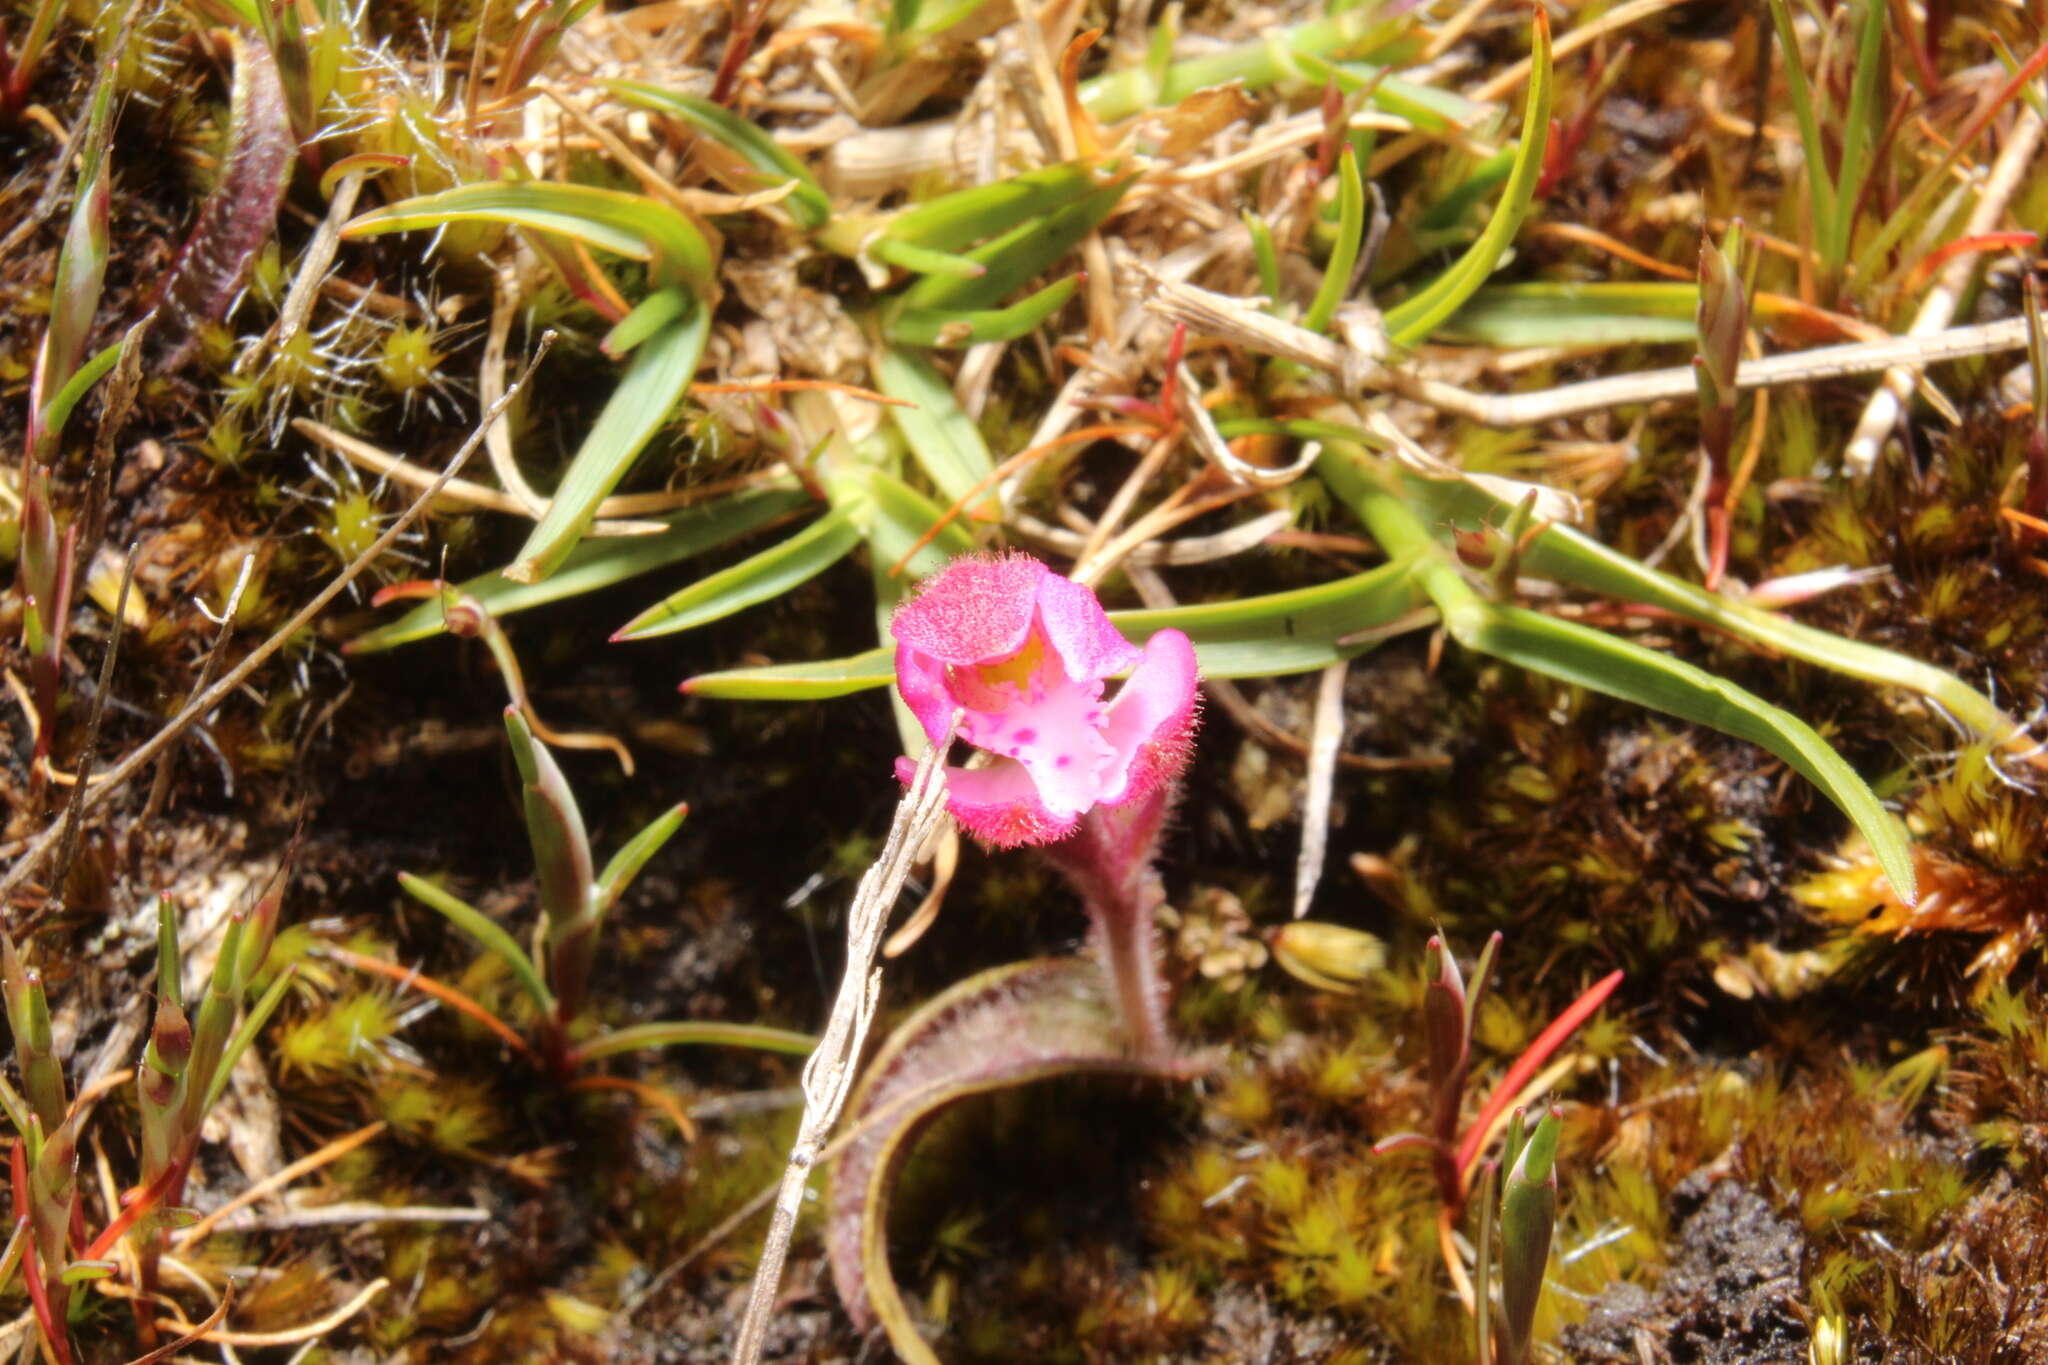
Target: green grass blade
(768, 574)
(958, 220)
(627, 862)
(1568, 556)
(901, 516)
(1019, 255)
(957, 328)
(1259, 64)
(812, 681)
(1818, 184)
(1587, 658)
(597, 564)
(252, 1024)
(629, 225)
(1344, 255)
(808, 203)
(923, 260)
(1414, 318)
(637, 1036)
(655, 381)
(1569, 313)
(1859, 135)
(649, 316)
(485, 931)
(943, 438)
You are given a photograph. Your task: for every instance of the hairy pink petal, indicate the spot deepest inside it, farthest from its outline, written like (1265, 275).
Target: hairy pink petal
(999, 804)
(922, 681)
(1080, 631)
(1151, 723)
(975, 610)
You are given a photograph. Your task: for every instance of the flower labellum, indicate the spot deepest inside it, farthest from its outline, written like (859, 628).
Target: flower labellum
(1022, 654)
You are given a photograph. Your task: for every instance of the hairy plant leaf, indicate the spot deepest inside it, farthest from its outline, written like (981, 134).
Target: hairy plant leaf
(1003, 1028)
(1418, 315)
(629, 225)
(1253, 637)
(656, 379)
(597, 564)
(808, 203)
(240, 214)
(766, 575)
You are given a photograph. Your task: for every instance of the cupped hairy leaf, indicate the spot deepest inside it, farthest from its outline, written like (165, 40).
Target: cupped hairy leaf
(655, 381)
(240, 214)
(1003, 1028)
(629, 225)
(774, 164)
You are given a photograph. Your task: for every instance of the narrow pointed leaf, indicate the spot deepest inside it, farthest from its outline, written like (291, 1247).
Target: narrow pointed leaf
(627, 862)
(554, 826)
(767, 575)
(599, 563)
(629, 225)
(958, 328)
(1025, 251)
(689, 1033)
(649, 316)
(1418, 315)
(954, 221)
(252, 1024)
(942, 437)
(1588, 658)
(656, 379)
(808, 204)
(485, 931)
(1528, 1218)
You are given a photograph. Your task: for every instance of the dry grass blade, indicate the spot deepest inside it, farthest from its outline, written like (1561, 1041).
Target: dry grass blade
(828, 1076)
(1326, 736)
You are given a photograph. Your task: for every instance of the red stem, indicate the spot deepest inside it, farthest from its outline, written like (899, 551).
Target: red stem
(1527, 1066)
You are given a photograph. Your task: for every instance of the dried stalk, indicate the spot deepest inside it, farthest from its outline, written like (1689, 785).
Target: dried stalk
(1241, 323)
(31, 857)
(829, 1074)
(1874, 428)
(1326, 737)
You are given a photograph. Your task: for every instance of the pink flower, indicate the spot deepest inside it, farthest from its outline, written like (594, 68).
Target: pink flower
(1022, 653)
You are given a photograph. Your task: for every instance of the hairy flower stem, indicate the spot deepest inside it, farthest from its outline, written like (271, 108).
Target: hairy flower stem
(1108, 862)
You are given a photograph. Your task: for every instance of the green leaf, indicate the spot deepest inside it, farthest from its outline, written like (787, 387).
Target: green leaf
(554, 826)
(923, 260)
(485, 931)
(692, 1034)
(1022, 253)
(899, 517)
(1004, 1028)
(1569, 556)
(942, 437)
(597, 564)
(808, 203)
(655, 381)
(1252, 637)
(1418, 315)
(627, 862)
(629, 225)
(1569, 313)
(956, 328)
(649, 316)
(1344, 255)
(58, 410)
(252, 1024)
(960, 219)
(1580, 655)
(766, 575)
